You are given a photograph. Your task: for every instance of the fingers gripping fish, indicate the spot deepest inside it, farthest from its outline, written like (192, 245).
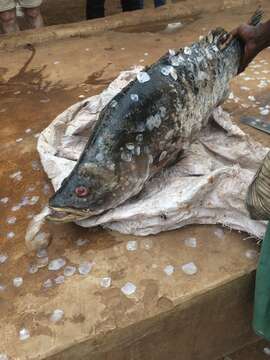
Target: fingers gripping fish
(148, 124)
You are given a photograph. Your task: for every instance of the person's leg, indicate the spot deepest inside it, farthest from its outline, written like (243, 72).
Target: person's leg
(8, 16)
(95, 9)
(32, 13)
(159, 2)
(130, 5)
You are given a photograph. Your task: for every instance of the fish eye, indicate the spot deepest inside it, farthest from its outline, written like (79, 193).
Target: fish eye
(81, 191)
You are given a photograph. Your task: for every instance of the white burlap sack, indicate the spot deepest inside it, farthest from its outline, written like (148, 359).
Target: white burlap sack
(208, 186)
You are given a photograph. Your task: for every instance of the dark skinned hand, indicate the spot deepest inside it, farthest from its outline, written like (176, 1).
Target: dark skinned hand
(254, 40)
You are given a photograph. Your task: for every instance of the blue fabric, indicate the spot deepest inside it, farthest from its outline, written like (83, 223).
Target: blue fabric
(159, 2)
(156, 2)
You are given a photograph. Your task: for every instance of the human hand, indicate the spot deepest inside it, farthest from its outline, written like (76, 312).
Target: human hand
(249, 36)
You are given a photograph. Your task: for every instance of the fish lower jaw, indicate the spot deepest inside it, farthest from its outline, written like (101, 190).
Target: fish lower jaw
(67, 215)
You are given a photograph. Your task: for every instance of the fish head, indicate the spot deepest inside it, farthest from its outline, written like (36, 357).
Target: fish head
(86, 192)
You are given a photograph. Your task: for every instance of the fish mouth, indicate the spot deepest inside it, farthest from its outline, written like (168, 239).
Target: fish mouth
(64, 215)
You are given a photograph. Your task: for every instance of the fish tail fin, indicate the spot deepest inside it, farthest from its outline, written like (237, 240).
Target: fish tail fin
(256, 18)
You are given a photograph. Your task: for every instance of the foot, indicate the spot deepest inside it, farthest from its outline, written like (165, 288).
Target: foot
(34, 17)
(9, 21)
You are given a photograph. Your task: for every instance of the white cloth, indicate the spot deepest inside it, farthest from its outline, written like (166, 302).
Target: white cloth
(208, 186)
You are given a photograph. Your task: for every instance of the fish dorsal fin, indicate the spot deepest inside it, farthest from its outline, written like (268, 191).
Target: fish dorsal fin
(256, 18)
(214, 37)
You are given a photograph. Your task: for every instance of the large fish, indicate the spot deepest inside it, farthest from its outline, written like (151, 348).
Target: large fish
(148, 124)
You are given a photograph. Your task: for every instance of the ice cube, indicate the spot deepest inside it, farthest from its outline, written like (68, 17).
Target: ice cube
(11, 220)
(134, 97)
(187, 50)
(128, 289)
(251, 254)
(175, 60)
(4, 357)
(81, 242)
(56, 264)
(57, 315)
(191, 242)
(16, 176)
(85, 268)
(18, 281)
(169, 270)
(143, 77)
(10, 235)
(48, 284)
(132, 245)
(4, 200)
(59, 279)
(147, 244)
(105, 282)
(264, 112)
(69, 270)
(24, 334)
(190, 268)
(41, 253)
(42, 262)
(33, 200)
(33, 268)
(3, 258)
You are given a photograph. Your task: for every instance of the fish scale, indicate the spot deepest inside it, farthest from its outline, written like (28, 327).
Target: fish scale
(134, 140)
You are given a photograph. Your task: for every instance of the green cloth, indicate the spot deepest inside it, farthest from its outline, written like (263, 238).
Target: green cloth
(261, 318)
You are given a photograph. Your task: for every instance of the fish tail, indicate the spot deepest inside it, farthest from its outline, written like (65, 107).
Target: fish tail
(256, 18)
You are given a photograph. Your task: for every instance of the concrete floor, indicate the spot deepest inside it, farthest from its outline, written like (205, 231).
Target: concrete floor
(34, 87)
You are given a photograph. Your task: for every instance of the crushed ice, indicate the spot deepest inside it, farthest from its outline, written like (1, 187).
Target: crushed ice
(219, 233)
(105, 282)
(190, 268)
(11, 220)
(57, 315)
(128, 289)
(36, 165)
(264, 112)
(3, 357)
(48, 284)
(169, 270)
(251, 254)
(42, 262)
(191, 242)
(69, 270)
(134, 97)
(33, 268)
(24, 334)
(16, 176)
(132, 245)
(143, 77)
(42, 253)
(17, 281)
(56, 264)
(59, 279)
(81, 242)
(85, 267)
(3, 258)
(10, 235)
(147, 244)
